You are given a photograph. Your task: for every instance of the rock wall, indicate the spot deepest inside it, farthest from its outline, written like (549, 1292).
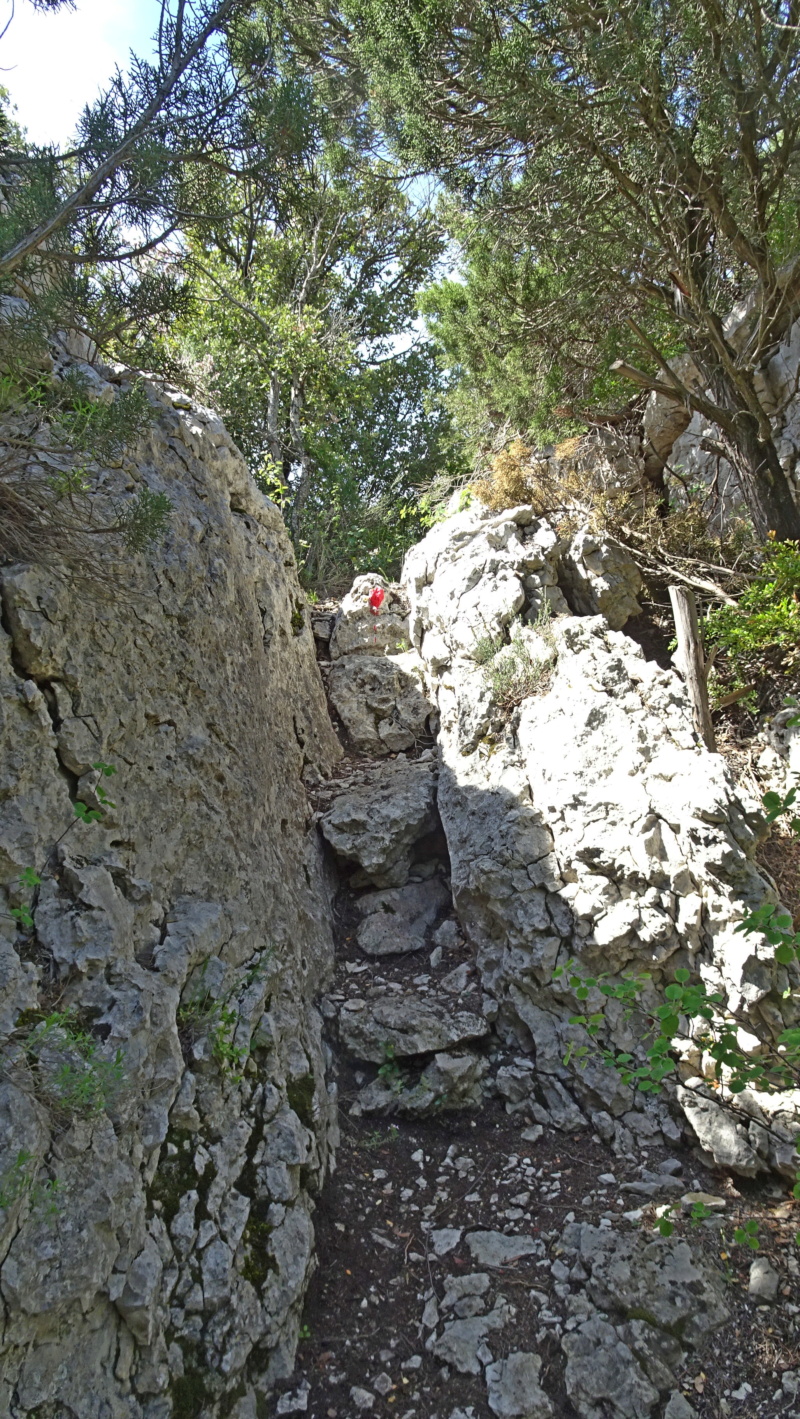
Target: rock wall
(164, 1117)
(588, 824)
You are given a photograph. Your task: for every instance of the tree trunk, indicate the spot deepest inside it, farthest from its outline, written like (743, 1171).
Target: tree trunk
(691, 661)
(273, 413)
(301, 487)
(755, 458)
(764, 483)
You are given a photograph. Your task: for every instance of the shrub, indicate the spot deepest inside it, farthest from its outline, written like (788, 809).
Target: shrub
(71, 1073)
(513, 670)
(758, 640)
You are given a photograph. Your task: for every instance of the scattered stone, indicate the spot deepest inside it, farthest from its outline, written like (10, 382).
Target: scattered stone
(363, 1399)
(764, 1281)
(533, 1134)
(459, 1288)
(447, 935)
(295, 1403)
(513, 1388)
(495, 1249)
(445, 1239)
(600, 1367)
(382, 1383)
(461, 1340)
(703, 1199)
(678, 1407)
(455, 982)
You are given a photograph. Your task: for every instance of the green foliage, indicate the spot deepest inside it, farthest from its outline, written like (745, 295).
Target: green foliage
(145, 519)
(615, 193)
(20, 1179)
(104, 430)
(747, 1234)
(758, 640)
(485, 649)
(201, 1014)
(390, 1071)
(71, 1073)
(511, 670)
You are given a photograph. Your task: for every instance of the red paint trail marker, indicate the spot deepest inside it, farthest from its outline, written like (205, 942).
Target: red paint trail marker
(376, 599)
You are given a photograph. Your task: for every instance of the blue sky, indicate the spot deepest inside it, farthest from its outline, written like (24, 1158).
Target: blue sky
(52, 65)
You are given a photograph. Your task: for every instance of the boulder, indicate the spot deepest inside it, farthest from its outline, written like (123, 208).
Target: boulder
(599, 577)
(377, 824)
(398, 919)
(380, 701)
(358, 630)
(451, 1082)
(399, 1026)
(659, 1279)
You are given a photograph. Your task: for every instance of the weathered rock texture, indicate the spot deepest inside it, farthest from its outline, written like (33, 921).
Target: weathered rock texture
(185, 935)
(591, 826)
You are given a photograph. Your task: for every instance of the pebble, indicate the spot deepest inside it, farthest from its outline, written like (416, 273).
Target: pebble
(763, 1283)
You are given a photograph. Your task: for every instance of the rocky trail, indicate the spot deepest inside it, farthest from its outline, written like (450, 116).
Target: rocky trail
(483, 1251)
(286, 1123)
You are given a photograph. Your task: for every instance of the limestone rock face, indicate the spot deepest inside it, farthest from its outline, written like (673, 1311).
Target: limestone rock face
(598, 576)
(590, 825)
(684, 444)
(161, 1134)
(358, 630)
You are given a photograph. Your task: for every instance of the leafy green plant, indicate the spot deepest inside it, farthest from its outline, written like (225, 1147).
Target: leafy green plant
(747, 1234)
(20, 1180)
(230, 1057)
(70, 1071)
(204, 1014)
(485, 648)
(145, 519)
(758, 640)
(511, 670)
(377, 1139)
(390, 1071)
(665, 1223)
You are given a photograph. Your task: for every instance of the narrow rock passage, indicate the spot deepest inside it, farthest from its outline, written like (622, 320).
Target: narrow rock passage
(475, 1260)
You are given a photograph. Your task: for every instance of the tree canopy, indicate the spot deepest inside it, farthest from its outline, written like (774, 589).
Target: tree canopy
(645, 157)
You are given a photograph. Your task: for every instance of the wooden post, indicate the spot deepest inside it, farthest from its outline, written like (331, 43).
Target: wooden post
(691, 661)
